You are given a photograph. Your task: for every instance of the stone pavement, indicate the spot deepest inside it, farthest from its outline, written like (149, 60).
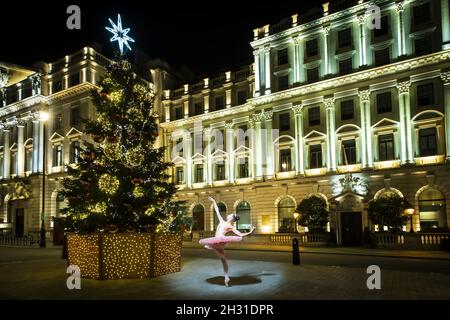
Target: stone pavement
(40, 274)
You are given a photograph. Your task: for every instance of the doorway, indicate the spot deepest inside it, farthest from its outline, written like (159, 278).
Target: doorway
(20, 222)
(351, 228)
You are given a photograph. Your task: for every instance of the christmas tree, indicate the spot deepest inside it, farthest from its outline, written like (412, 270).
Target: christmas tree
(120, 182)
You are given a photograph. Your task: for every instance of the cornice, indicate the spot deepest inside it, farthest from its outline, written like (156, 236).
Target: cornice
(37, 99)
(318, 22)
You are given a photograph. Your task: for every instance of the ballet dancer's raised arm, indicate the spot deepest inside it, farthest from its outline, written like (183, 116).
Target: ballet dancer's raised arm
(240, 234)
(216, 208)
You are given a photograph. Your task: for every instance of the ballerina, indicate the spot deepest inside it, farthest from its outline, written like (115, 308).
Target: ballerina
(217, 243)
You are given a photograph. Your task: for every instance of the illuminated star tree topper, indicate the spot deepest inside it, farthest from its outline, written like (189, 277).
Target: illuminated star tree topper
(119, 34)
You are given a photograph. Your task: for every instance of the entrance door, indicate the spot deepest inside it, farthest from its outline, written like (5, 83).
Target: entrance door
(20, 220)
(351, 228)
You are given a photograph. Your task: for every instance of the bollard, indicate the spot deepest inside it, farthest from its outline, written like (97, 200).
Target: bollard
(295, 252)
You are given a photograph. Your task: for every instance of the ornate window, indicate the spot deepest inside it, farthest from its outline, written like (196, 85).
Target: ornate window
(432, 210)
(243, 211)
(286, 208)
(315, 156)
(198, 216)
(386, 147)
(427, 142)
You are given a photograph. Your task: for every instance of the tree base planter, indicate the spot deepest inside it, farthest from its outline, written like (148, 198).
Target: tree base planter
(125, 255)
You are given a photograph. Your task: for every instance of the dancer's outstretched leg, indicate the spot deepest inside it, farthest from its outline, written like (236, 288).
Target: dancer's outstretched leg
(221, 254)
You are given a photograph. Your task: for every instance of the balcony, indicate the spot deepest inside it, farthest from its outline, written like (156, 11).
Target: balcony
(431, 160)
(349, 168)
(383, 165)
(285, 175)
(315, 172)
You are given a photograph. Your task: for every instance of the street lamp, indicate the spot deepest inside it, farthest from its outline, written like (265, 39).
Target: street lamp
(410, 211)
(296, 216)
(43, 116)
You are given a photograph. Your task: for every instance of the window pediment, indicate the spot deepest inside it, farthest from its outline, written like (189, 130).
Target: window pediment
(56, 137)
(73, 132)
(385, 123)
(315, 135)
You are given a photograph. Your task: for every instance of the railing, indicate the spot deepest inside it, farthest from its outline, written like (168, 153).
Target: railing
(102, 60)
(281, 26)
(281, 238)
(386, 239)
(311, 15)
(313, 238)
(217, 82)
(10, 240)
(341, 5)
(178, 93)
(241, 75)
(197, 87)
(432, 240)
(411, 241)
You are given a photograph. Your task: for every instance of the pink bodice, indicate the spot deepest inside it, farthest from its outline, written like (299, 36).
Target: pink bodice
(223, 228)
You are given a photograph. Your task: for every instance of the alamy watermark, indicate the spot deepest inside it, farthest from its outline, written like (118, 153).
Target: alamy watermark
(74, 20)
(374, 280)
(74, 279)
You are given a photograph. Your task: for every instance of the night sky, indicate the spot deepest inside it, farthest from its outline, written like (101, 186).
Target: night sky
(201, 38)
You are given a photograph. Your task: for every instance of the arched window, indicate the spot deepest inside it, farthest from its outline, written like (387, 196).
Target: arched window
(243, 211)
(286, 208)
(432, 210)
(223, 213)
(198, 216)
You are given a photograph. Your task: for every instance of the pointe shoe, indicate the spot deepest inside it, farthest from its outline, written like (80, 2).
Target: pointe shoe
(227, 280)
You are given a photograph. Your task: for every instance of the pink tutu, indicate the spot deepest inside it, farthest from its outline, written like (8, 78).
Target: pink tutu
(219, 240)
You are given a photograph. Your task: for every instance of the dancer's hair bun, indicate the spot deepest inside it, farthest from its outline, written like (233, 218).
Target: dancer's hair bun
(236, 217)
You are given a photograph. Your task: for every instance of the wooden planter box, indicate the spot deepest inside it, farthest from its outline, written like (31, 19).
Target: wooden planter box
(125, 255)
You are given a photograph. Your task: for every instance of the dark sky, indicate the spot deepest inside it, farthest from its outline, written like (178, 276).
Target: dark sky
(205, 37)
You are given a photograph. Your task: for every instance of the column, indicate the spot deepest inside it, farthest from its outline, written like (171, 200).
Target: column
(326, 32)
(228, 101)
(364, 99)
(445, 25)
(20, 150)
(258, 118)
(368, 141)
(6, 154)
(366, 136)
(300, 162)
(362, 41)
(331, 134)
(267, 70)
(230, 150)
(445, 76)
(401, 28)
(35, 145)
(295, 60)
(257, 73)
(187, 148)
(186, 106)
(167, 112)
(209, 164)
(269, 144)
(405, 122)
(206, 100)
(301, 76)
(41, 146)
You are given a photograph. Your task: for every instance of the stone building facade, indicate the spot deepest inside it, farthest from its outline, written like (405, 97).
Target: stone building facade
(335, 108)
